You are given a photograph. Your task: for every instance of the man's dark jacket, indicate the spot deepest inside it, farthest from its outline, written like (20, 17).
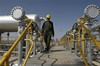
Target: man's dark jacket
(48, 28)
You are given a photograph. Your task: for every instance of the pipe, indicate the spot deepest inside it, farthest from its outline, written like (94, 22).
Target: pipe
(8, 24)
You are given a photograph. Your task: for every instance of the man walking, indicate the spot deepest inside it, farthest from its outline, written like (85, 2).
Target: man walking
(47, 32)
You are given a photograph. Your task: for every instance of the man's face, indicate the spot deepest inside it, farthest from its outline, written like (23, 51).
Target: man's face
(48, 19)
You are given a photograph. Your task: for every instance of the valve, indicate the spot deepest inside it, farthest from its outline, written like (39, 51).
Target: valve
(18, 13)
(92, 11)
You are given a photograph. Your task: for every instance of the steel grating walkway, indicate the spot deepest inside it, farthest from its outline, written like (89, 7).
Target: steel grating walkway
(58, 56)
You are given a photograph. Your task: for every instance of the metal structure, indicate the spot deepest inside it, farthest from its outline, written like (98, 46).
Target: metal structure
(5, 60)
(24, 26)
(81, 36)
(79, 40)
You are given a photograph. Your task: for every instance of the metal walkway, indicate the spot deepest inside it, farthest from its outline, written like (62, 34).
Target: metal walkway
(58, 56)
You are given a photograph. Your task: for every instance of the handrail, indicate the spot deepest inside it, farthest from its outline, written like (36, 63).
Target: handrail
(6, 55)
(26, 59)
(89, 33)
(81, 51)
(83, 56)
(91, 36)
(81, 38)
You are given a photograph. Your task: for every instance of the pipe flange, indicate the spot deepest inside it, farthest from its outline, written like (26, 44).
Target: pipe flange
(17, 13)
(92, 11)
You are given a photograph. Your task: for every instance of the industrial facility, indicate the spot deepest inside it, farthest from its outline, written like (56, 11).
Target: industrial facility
(22, 43)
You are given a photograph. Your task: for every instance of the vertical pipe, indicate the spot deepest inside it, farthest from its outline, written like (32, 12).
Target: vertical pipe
(20, 48)
(89, 55)
(27, 46)
(83, 45)
(21, 27)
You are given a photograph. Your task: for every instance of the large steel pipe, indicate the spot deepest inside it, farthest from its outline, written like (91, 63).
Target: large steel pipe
(8, 24)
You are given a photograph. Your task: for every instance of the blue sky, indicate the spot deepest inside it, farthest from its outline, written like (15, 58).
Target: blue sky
(64, 12)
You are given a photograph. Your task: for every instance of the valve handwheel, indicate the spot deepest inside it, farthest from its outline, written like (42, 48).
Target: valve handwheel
(92, 11)
(17, 13)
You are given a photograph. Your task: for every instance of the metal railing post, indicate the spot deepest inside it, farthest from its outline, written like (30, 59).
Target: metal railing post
(83, 56)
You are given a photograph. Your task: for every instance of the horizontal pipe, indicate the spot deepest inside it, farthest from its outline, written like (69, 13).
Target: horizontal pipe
(8, 24)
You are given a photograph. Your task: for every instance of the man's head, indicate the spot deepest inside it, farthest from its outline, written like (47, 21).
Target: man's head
(48, 17)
